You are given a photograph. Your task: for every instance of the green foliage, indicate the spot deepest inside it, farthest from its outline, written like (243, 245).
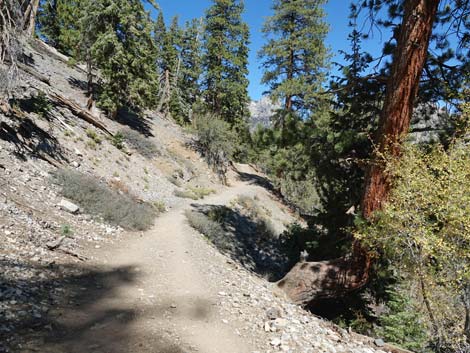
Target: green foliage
(100, 200)
(295, 56)
(402, 324)
(93, 136)
(116, 37)
(58, 22)
(159, 206)
(41, 105)
(424, 230)
(217, 141)
(190, 68)
(118, 140)
(225, 62)
(66, 230)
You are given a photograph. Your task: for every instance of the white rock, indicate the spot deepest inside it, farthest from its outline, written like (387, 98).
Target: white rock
(280, 322)
(267, 327)
(276, 342)
(69, 206)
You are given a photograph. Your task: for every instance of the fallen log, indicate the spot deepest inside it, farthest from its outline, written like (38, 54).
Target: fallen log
(51, 51)
(83, 114)
(34, 73)
(310, 281)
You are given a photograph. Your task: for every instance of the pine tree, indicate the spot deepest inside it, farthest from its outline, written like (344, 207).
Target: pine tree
(116, 38)
(295, 56)
(170, 97)
(191, 70)
(59, 22)
(159, 35)
(226, 62)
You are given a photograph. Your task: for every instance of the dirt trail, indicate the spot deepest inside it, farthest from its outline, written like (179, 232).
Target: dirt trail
(153, 294)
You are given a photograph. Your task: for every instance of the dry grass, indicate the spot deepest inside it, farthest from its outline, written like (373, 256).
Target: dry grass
(140, 143)
(194, 193)
(204, 225)
(100, 200)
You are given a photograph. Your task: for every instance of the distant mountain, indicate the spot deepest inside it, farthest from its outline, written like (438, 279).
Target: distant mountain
(261, 112)
(429, 123)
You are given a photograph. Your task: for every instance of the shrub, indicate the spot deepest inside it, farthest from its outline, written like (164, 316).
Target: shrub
(402, 324)
(185, 194)
(424, 230)
(100, 200)
(194, 193)
(118, 140)
(204, 225)
(93, 136)
(140, 143)
(201, 192)
(66, 230)
(175, 181)
(217, 141)
(159, 206)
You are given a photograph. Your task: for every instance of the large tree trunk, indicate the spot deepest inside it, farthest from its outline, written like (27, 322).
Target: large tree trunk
(312, 280)
(402, 88)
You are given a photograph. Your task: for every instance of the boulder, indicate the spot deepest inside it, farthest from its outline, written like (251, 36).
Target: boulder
(69, 206)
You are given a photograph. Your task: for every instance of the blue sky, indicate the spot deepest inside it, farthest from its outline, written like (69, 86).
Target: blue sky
(255, 14)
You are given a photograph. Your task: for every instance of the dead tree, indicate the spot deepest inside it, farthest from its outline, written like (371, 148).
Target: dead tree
(331, 279)
(29, 17)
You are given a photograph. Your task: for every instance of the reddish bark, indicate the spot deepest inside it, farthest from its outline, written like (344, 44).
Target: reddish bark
(312, 280)
(408, 63)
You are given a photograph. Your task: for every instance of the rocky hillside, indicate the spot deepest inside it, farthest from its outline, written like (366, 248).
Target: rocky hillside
(87, 202)
(43, 235)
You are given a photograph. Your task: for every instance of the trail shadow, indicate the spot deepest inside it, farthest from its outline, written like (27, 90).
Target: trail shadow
(265, 183)
(138, 123)
(27, 137)
(258, 180)
(249, 242)
(73, 308)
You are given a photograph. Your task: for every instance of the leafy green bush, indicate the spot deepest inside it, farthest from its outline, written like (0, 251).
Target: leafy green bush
(100, 200)
(424, 229)
(140, 143)
(402, 324)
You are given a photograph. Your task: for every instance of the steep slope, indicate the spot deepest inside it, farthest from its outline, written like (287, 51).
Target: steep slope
(72, 282)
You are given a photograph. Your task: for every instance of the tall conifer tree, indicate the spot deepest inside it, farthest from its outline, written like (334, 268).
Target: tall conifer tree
(226, 61)
(116, 37)
(59, 22)
(295, 55)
